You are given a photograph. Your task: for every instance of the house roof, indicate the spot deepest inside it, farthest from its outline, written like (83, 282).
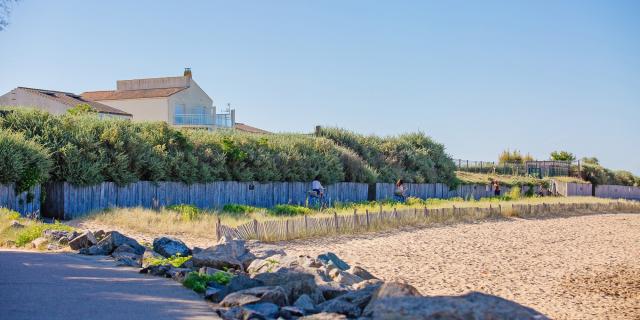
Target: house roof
(72, 100)
(131, 94)
(246, 128)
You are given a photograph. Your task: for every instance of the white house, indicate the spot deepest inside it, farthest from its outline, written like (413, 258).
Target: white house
(178, 101)
(55, 102)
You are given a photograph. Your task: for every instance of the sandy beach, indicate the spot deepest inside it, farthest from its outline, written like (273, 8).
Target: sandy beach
(585, 267)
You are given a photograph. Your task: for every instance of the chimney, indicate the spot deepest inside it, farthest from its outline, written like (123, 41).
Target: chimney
(187, 72)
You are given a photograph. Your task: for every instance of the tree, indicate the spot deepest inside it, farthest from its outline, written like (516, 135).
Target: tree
(79, 109)
(513, 157)
(5, 10)
(562, 156)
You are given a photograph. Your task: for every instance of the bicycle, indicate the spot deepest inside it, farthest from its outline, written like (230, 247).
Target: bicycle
(317, 200)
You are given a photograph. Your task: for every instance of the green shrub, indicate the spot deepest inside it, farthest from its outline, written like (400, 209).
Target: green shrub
(8, 215)
(175, 261)
(239, 208)
(514, 193)
(413, 157)
(34, 231)
(187, 212)
(198, 282)
(23, 162)
(288, 210)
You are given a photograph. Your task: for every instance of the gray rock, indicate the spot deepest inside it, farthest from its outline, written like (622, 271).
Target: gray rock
(275, 295)
(208, 271)
(331, 290)
(178, 274)
(53, 247)
(271, 264)
(242, 282)
(472, 306)
(325, 316)
(124, 248)
(367, 283)
(216, 293)
(99, 234)
(294, 283)
(361, 272)
(129, 259)
(159, 271)
(359, 298)
(345, 278)
(55, 235)
(291, 312)
(265, 309)
(169, 246)
(330, 257)
(16, 224)
(225, 254)
(340, 306)
(391, 290)
(305, 303)
(39, 242)
(117, 239)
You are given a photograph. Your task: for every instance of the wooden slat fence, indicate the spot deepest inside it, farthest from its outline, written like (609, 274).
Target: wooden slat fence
(442, 191)
(25, 203)
(618, 192)
(65, 201)
(307, 226)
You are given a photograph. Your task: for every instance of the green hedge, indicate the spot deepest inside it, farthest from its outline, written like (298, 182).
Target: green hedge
(413, 157)
(23, 162)
(86, 150)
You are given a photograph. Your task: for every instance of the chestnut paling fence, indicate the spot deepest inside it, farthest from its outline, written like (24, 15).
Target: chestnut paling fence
(308, 226)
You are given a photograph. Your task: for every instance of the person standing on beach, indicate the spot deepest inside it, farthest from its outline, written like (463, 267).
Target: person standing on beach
(400, 192)
(496, 188)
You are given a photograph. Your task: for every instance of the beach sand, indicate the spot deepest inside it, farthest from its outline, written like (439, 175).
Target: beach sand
(585, 267)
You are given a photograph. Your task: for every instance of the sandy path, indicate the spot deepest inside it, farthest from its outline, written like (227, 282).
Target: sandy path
(584, 267)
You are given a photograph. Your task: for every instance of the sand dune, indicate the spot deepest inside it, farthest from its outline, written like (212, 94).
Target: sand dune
(585, 267)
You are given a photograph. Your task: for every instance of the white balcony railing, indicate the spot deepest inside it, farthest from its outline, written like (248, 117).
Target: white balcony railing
(193, 119)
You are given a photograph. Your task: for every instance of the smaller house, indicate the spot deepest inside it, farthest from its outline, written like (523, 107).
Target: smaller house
(247, 128)
(56, 102)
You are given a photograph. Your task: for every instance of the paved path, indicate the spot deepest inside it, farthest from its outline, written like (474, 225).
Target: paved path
(70, 286)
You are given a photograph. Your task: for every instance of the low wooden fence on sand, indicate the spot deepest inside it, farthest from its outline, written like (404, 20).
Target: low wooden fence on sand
(306, 226)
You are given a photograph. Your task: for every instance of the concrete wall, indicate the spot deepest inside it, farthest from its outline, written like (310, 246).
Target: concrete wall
(153, 83)
(145, 109)
(23, 98)
(572, 189)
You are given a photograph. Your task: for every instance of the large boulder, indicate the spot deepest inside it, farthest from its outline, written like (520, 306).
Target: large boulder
(111, 241)
(324, 316)
(275, 295)
(39, 243)
(216, 292)
(84, 240)
(294, 283)
(128, 259)
(361, 272)
(267, 310)
(472, 306)
(331, 258)
(168, 246)
(242, 282)
(340, 306)
(305, 303)
(391, 290)
(225, 254)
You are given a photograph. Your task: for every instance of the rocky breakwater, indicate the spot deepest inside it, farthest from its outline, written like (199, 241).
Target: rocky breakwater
(249, 280)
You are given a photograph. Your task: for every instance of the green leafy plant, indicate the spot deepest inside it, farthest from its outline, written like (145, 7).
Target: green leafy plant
(176, 260)
(188, 212)
(34, 231)
(198, 282)
(239, 208)
(81, 109)
(514, 193)
(289, 210)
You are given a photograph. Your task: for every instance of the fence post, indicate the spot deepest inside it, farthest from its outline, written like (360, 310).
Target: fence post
(454, 210)
(395, 213)
(355, 218)
(426, 212)
(255, 228)
(218, 235)
(335, 219)
(415, 213)
(499, 209)
(306, 227)
(286, 227)
(367, 216)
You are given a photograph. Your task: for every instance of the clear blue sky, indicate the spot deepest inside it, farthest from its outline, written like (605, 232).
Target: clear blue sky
(478, 76)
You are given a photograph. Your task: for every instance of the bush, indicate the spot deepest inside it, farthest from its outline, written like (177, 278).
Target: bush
(514, 193)
(23, 162)
(289, 210)
(175, 261)
(239, 208)
(198, 282)
(413, 157)
(6, 214)
(34, 231)
(187, 212)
